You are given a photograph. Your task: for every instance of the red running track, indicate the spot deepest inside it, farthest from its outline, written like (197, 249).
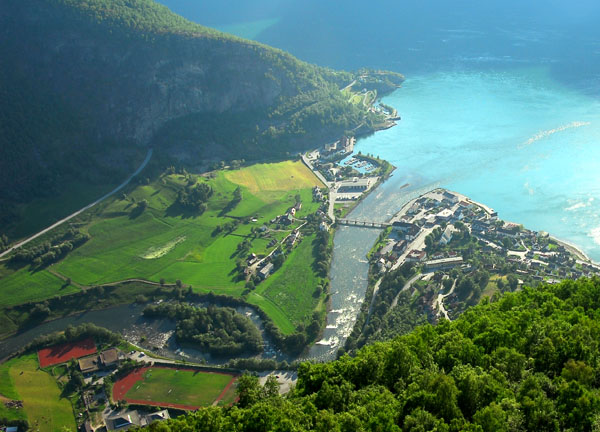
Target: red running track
(122, 386)
(62, 353)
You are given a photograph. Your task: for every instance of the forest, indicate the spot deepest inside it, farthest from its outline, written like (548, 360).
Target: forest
(216, 330)
(526, 361)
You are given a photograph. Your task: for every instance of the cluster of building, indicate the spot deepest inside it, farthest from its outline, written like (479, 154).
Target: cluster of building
(340, 148)
(125, 419)
(533, 254)
(106, 360)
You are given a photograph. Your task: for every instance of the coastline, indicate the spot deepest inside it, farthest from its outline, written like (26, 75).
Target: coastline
(574, 249)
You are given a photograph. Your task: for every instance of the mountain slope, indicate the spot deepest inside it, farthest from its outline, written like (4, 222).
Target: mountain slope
(87, 84)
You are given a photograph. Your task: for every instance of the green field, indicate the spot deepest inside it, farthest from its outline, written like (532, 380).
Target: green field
(167, 243)
(184, 387)
(287, 295)
(43, 407)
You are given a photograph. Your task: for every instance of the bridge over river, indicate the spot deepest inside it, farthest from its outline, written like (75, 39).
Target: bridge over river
(363, 224)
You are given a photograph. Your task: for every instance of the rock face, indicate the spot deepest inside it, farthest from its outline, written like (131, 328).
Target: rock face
(128, 85)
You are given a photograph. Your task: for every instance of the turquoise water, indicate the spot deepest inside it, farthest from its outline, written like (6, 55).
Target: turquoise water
(515, 140)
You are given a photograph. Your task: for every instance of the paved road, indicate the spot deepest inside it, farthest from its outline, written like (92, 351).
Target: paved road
(440, 302)
(330, 211)
(406, 286)
(78, 212)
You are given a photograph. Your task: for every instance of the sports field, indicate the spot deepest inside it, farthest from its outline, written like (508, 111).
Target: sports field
(177, 388)
(62, 353)
(42, 405)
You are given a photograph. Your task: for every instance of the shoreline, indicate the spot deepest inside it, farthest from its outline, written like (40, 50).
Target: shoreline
(574, 249)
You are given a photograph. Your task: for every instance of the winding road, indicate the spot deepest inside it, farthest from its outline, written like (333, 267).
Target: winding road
(78, 212)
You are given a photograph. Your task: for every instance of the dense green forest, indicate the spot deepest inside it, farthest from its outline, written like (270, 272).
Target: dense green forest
(527, 361)
(216, 330)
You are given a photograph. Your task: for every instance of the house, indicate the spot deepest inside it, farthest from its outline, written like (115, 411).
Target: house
(416, 256)
(109, 358)
(508, 231)
(89, 364)
(480, 226)
(125, 419)
(354, 185)
(157, 416)
(287, 219)
(105, 359)
(387, 249)
(265, 271)
(430, 221)
(293, 237)
(458, 214)
(400, 246)
(331, 147)
(446, 235)
(444, 215)
(443, 264)
(450, 197)
(409, 230)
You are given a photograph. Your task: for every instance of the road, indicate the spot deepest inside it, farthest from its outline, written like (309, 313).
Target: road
(440, 302)
(330, 211)
(406, 286)
(78, 212)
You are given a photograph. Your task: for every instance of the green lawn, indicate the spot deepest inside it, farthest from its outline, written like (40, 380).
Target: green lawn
(21, 286)
(179, 386)
(163, 242)
(287, 295)
(8, 391)
(43, 407)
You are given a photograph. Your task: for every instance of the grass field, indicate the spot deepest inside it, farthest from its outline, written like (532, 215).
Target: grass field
(283, 176)
(43, 407)
(174, 386)
(22, 286)
(9, 392)
(287, 295)
(166, 243)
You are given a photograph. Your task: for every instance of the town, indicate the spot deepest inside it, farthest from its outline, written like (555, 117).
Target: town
(461, 251)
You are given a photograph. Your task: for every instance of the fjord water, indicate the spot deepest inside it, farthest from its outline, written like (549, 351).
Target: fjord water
(515, 140)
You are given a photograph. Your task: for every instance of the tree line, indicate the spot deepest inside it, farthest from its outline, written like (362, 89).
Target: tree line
(52, 250)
